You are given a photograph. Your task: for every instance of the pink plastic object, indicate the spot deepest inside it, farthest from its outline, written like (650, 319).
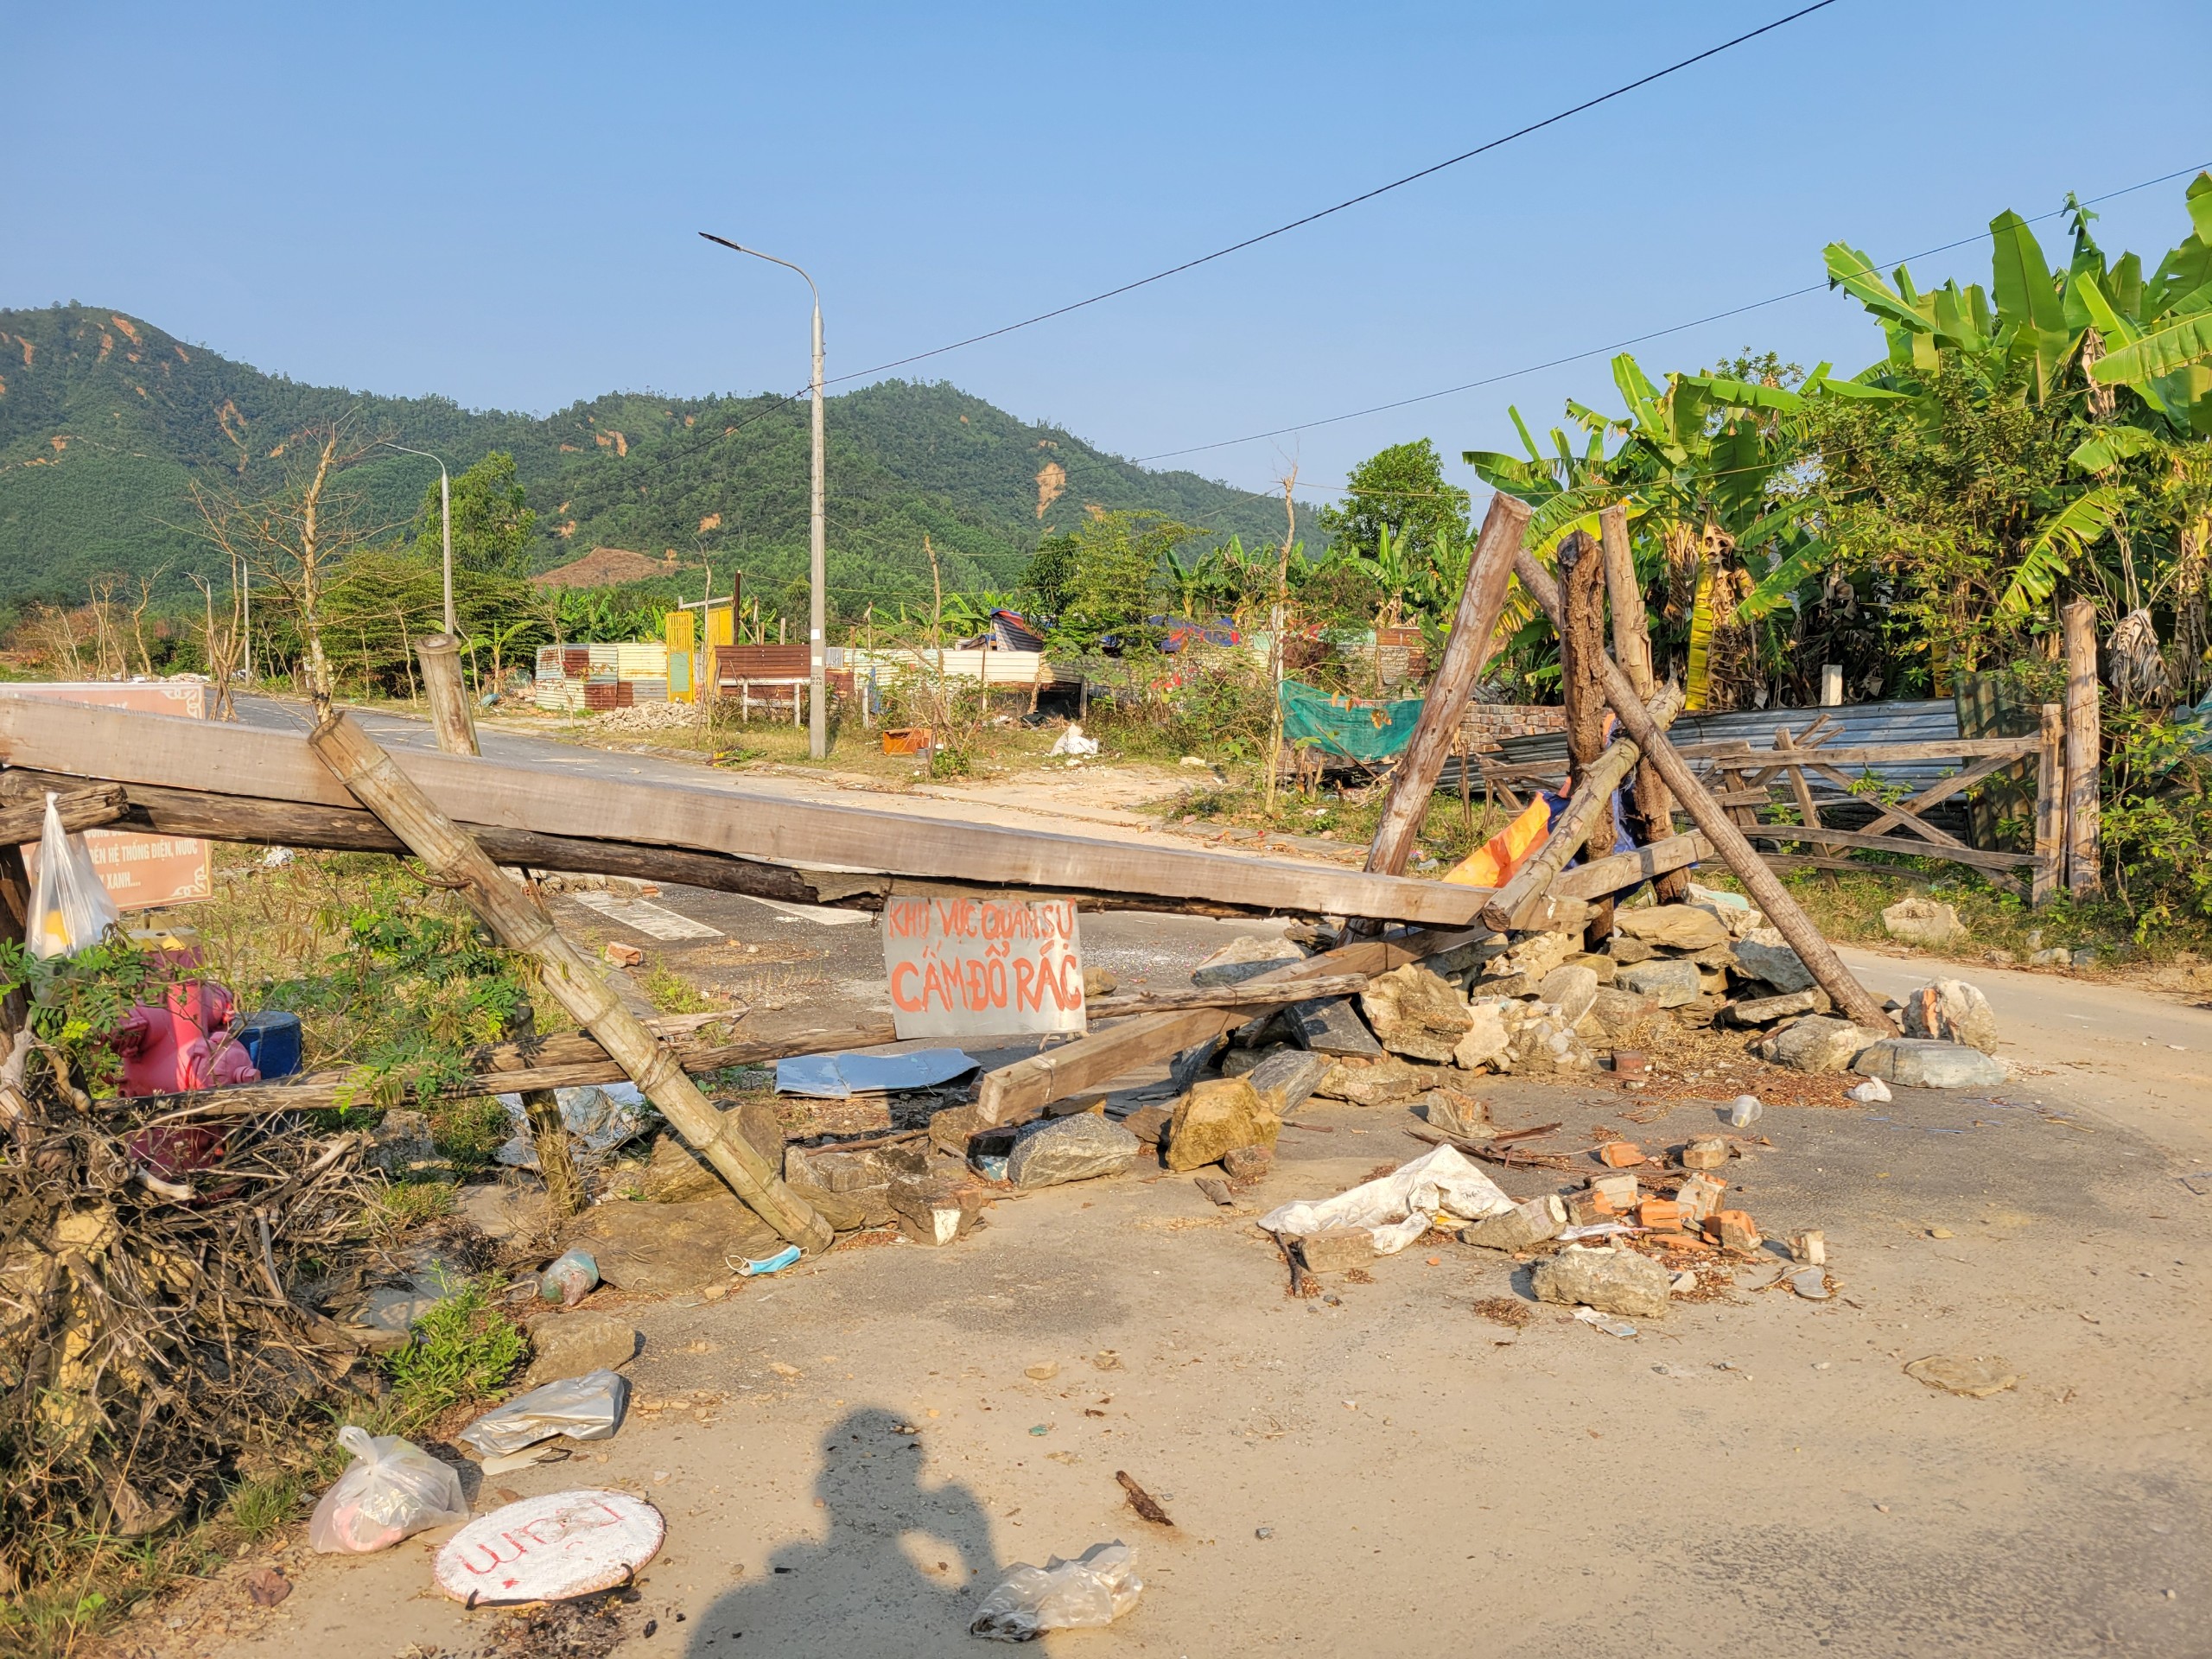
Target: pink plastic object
(190, 1042)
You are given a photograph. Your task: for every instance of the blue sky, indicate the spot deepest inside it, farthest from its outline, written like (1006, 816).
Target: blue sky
(499, 203)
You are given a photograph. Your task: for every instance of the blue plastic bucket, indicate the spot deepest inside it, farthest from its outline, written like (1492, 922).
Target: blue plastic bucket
(273, 1041)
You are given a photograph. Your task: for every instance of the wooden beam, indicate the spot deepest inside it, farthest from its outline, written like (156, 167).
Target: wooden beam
(1621, 871)
(1809, 814)
(1582, 684)
(369, 774)
(80, 809)
(1246, 993)
(1759, 882)
(1469, 646)
(1893, 844)
(452, 722)
(2084, 748)
(2051, 804)
(825, 836)
(1650, 807)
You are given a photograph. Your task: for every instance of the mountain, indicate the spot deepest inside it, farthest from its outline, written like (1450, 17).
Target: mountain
(105, 421)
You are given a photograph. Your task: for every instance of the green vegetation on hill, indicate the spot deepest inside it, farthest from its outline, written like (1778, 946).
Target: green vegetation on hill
(105, 420)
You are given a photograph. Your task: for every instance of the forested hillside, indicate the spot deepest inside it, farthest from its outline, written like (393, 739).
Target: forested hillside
(105, 420)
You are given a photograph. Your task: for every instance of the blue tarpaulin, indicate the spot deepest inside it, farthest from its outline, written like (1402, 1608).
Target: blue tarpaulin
(836, 1077)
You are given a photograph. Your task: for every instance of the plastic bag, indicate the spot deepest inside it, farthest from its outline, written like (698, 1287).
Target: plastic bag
(587, 1408)
(1397, 1209)
(391, 1490)
(1096, 1588)
(569, 1278)
(1073, 741)
(69, 907)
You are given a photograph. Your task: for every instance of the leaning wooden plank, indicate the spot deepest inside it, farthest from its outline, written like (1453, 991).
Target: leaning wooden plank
(136, 748)
(1766, 891)
(80, 808)
(1102, 1056)
(1246, 993)
(368, 773)
(1474, 628)
(1512, 906)
(1621, 871)
(1650, 814)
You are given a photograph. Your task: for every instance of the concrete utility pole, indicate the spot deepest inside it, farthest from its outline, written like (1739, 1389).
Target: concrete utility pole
(445, 517)
(817, 718)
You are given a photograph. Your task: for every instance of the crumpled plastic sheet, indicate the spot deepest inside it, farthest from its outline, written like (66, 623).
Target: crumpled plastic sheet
(1398, 1207)
(839, 1077)
(587, 1408)
(1096, 1588)
(599, 1118)
(1073, 741)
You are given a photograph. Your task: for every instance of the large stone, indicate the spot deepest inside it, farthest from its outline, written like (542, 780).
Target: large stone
(402, 1143)
(1385, 1082)
(666, 1249)
(1598, 963)
(1240, 1061)
(1774, 964)
(842, 1171)
(1667, 981)
(1414, 1013)
(1621, 1013)
(1927, 922)
(1245, 957)
(568, 1344)
(1924, 1063)
(1520, 1227)
(1610, 1281)
(1627, 952)
(847, 1212)
(1543, 1042)
(1535, 955)
(1213, 1117)
(935, 1209)
(1452, 1113)
(1766, 1010)
(1569, 988)
(1952, 1011)
(1737, 913)
(1078, 1148)
(1335, 1250)
(1149, 1123)
(1287, 1078)
(1817, 1044)
(1486, 1040)
(1676, 927)
(675, 1175)
(1328, 1025)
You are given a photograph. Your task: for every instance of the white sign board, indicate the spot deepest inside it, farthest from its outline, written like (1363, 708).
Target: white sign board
(982, 967)
(551, 1548)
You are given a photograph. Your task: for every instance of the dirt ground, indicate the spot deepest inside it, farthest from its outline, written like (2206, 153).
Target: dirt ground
(1391, 1468)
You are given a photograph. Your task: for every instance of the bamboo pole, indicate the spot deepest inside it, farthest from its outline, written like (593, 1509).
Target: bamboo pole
(1582, 683)
(450, 719)
(2051, 806)
(1591, 802)
(1651, 809)
(1474, 628)
(2084, 748)
(1766, 891)
(363, 767)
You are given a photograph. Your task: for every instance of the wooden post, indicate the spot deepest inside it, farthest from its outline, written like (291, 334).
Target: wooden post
(2084, 747)
(1582, 686)
(1474, 628)
(1765, 890)
(355, 759)
(2051, 806)
(1651, 809)
(1587, 807)
(564, 1187)
(451, 720)
(15, 926)
(1799, 785)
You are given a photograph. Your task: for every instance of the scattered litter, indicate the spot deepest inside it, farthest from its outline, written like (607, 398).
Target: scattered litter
(1263, 1532)
(1872, 1092)
(1595, 1229)
(598, 1118)
(392, 1490)
(1043, 1373)
(551, 1548)
(1398, 1207)
(1141, 1501)
(70, 908)
(1975, 1376)
(1744, 1111)
(1611, 1326)
(1811, 1283)
(1812, 1249)
(1094, 1589)
(1073, 742)
(775, 1263)
(839, 1076)
(587, 1408)
(569, 1278)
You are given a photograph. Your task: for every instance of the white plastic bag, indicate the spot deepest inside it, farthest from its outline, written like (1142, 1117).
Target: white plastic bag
(69, 907)
(391, 1490)
(1096, 1588)
(587, 1408)
(1398, 1207)
(1073, 741)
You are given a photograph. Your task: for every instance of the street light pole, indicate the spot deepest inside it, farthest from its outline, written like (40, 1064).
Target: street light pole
(445, 516)
(817, 562)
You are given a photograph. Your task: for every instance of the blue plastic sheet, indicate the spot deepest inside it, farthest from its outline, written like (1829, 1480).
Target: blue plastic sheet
(838, 1077)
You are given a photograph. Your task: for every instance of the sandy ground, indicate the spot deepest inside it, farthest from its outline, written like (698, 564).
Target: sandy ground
(1390, 1471)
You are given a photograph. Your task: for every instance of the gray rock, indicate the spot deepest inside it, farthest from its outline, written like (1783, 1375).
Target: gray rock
(1776, 964)
(1766, 1010)
(1619, 1012)
(1952, 1011)
(568, 1344)
(1078, 1148)
(1486, 1040)
(1385, 1082)
(400, 1143)
(1414, 1013)
(1817, 1044)
(848, 1171)
(1243, 958)
(1455, 1114)
(1676, 927)
(1330, 1026)
(1612, 1282)
(1627, 952)
(1670, 983)
(1927, 922)
(666, 1249)
(1238, 1061)
(1571, 989)
(1285, 1079)
(1537, 954)
(1922, 1063)
(1598, 963)
(1333, 1249)
(1520, 1227)
(1543, 1043)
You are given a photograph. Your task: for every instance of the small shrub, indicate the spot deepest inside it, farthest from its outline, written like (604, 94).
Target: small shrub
(402, 1206)
(469, 1132)
(464, 1349)
(259, 1508)
(671, 993)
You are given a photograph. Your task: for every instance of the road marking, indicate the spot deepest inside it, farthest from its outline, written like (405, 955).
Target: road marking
(655, 921)
(821, 913)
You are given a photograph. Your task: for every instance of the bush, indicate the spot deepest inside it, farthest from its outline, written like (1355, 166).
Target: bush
(464, 1349)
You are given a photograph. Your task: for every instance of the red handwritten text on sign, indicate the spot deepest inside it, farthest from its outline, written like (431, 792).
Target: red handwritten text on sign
(982, 967)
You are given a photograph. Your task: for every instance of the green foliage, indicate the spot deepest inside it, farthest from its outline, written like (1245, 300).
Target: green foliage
(464, 1349)
(1114, 580)
(2157, 825)
(1400, 493)
(491, 529)
(76, 999)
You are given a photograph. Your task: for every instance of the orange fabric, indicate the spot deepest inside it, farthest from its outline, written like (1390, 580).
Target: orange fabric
(1493, 863)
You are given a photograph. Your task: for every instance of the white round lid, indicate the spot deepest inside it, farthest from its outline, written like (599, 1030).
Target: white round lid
(551, 1548)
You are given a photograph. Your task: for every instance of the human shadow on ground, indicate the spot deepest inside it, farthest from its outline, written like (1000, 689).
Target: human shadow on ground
(858, 1591)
